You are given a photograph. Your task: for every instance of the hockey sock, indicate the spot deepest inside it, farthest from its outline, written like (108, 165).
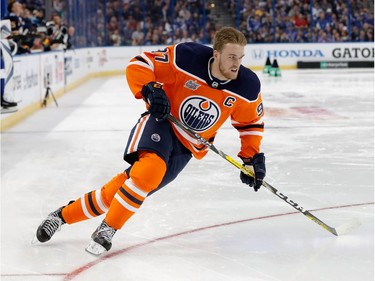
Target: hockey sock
(126, 202)
(94, 203)
(145, 175)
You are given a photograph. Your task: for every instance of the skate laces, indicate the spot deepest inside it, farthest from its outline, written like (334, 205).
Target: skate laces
(105, 231)
(51, 225)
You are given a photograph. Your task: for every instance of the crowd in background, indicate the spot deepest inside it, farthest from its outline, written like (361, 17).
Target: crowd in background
(297, 21)
(31, 32)
(160, 22)
(157, 22)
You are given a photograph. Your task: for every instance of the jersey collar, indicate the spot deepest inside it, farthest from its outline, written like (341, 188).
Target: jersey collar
(213, 81)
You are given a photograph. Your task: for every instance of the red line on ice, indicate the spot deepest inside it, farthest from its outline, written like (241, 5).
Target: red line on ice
(72, 275)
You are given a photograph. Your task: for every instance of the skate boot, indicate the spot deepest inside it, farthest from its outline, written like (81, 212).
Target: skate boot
(49, 226)
(6, 104)
(101, 239)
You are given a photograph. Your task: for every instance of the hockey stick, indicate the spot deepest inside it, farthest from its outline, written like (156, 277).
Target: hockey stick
(345, 228)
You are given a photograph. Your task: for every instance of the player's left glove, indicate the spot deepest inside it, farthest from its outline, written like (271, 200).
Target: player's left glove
(258, 165)
(155, 96)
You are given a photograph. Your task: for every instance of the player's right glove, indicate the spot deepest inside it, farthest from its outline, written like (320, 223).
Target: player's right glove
(155, 96)
(258, 165)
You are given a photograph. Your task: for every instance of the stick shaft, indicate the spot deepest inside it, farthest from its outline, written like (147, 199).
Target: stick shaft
(251, 173)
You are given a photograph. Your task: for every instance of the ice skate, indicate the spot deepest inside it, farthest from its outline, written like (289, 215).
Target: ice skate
(5, 110)
(5, 103)
(101, 239)
(49, 227)
(8, 106)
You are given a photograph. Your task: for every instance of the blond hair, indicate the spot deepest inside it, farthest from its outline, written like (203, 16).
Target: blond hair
(228, 35)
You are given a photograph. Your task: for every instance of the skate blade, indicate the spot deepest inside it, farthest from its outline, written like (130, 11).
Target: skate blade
(5, 110)
(95, 248)
(35, 241)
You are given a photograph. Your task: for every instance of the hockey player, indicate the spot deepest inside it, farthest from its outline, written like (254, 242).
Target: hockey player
(201, 87)
(6, 64)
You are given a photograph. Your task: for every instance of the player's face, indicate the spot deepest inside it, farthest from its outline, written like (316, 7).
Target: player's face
(229, 60)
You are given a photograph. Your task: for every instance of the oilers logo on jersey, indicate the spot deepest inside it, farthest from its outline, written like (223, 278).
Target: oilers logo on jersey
(199, 113)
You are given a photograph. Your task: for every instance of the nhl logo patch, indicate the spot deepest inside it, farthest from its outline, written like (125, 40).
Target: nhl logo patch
(155, 137)
(192, 85)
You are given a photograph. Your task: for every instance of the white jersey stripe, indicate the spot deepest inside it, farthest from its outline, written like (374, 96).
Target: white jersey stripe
(140, 63)
(151, 64)
(236, 123)
(255, 133)
(137, 135)
(187, 136)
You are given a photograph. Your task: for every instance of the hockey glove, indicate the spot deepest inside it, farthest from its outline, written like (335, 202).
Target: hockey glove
(155, 96)
(258, 164)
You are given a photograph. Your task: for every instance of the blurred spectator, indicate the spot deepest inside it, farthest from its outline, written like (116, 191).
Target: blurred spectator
(37, 45)
(322, 36)
(113, 30)
(38, 19)
(322, 21)
(284, 38)
(336, 36)
(57, 33)
(186, 37)
(71, 31)
(300, 38)
(20, 33)
(115, 38)
(300, 20)
(148, 38)
(155, 40)
(127, 34)
(15, 9)
(137, 35)
(58, 6)
(370, 35)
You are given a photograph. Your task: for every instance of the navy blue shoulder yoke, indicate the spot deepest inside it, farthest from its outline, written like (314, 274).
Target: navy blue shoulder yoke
(194, 58)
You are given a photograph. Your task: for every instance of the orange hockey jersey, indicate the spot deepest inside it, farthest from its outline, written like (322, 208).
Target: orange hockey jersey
(198, 99)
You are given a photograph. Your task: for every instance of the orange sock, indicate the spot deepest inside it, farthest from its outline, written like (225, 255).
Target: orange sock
(145, 175)
(94, 203)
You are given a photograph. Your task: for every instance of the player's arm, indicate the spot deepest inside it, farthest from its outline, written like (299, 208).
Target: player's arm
(247, 119)
(146, 74)
(149, 67)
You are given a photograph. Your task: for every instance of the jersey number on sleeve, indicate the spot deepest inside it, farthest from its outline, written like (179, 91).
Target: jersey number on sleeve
(162, 56)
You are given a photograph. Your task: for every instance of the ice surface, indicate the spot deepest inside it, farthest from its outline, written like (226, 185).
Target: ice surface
(319, 144)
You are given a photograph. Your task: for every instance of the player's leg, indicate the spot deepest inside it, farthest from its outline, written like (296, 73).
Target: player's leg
(145, 175)
(159, 160)
(93, 203)
(90, 205)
